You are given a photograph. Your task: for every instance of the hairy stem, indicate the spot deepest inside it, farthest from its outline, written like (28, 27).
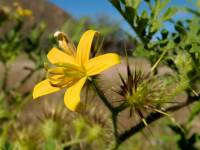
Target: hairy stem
(102, 96)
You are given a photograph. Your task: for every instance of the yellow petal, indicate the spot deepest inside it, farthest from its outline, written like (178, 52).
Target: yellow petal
(100, 63)
(44, 88)
(61, 82)
(56, 71)
(72, 95)
(84, 46)
(56, 56)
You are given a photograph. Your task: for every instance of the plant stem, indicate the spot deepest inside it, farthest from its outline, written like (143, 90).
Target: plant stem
(113, 112)
(159, 60)
(102, 96)
(26, 78)
(5, 78)
(115, 132)
(121, 107)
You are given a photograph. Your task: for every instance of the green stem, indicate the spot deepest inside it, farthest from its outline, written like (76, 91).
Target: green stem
(159, 60)
(114, 120)
(26, 78)
(121, 107)
(113, 112)
(102, 96)
(115, 132)
(5, 78)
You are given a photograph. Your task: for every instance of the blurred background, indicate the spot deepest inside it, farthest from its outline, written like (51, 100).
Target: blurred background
(27, 28)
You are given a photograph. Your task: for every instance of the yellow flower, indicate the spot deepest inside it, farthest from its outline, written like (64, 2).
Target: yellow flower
(73, 68)
(21, 11)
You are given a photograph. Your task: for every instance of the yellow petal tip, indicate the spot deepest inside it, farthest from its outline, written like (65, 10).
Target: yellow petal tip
(76, 108)
(44, 88)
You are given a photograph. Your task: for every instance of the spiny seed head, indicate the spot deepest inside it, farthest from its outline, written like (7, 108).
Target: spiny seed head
(143, 92)
(25, 138)
(132, 86)
(53, 120)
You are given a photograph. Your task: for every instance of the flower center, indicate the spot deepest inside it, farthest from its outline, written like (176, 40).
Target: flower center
(63, 76)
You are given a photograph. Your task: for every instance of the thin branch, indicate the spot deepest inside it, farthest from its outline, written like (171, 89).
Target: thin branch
(27, 77)
(115, 128)
(5, 78)
(102, 96)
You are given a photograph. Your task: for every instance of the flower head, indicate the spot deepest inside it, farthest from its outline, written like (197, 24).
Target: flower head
(72, 68)
(144, 93)
(21, 11)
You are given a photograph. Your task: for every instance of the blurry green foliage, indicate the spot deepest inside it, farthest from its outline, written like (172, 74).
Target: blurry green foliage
(102, 24)
(57, 128)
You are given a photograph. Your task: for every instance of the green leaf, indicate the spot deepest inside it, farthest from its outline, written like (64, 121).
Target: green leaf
(181, 30)
(123, 1)
(4, 114)
(163, 4)
(137, 3)
(141, 26)
(197, 13)
(159, 6)
(169, 13)
(117, 5)
(133, 3)
(130, 14)
(156, 25)
(195, 112)
(194, 25)
(164, 33)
